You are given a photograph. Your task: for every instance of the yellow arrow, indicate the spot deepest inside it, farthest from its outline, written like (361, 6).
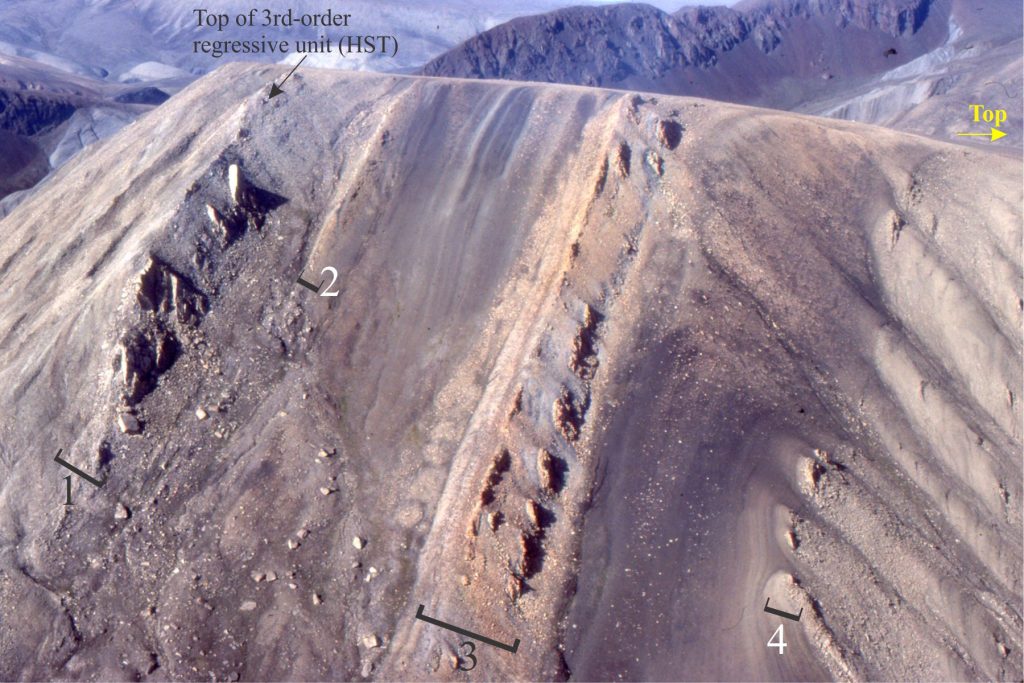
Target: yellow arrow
(995, 134)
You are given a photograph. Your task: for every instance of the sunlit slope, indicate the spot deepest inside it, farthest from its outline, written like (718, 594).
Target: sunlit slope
(604, 372)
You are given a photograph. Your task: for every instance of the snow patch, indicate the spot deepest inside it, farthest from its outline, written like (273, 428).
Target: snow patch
(151, 71)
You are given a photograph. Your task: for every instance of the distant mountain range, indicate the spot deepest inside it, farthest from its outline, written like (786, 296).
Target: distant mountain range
(832, 57)
(47, 116)
(144, 40)
(73, 72)
(90, 68)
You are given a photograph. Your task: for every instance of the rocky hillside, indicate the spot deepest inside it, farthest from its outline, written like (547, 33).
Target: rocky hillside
(602, 374)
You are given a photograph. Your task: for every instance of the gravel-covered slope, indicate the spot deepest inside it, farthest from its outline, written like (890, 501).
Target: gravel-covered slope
(604, 372)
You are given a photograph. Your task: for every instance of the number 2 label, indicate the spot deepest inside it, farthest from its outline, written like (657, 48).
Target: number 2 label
(334, 272)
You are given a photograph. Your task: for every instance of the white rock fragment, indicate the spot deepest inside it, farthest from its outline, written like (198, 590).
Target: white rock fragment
(271, 576)
(324, 453)
(234, 184)
(533, 512)
(201, 413)
(258, 576)
(128, 423)
(358, 543)
(215, 217)
(371, 641)
(292, 544)
(302, 533)
(248, 606)
(325, 490)
(317, 600)
(121, 512)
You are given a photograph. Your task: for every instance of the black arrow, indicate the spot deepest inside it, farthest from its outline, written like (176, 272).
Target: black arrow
(780, 613)
(275, 89)
(98, 483)
(490, 641)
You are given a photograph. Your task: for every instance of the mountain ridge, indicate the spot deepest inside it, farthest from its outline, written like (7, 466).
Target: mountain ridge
(699, 35)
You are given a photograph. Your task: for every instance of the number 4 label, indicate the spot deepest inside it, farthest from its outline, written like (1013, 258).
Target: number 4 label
(781, 643)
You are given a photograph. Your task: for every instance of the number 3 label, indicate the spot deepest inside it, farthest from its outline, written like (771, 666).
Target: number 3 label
(470, 655)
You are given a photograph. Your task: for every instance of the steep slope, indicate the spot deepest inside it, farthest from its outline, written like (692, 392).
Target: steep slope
(603, 373)
(875, 61)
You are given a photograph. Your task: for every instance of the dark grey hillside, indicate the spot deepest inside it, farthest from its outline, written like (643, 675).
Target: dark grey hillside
(741, 55)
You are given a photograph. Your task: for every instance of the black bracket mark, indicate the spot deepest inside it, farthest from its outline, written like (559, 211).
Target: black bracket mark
(780, 613)
(308, 285)
(98, 483)
(483, 639)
